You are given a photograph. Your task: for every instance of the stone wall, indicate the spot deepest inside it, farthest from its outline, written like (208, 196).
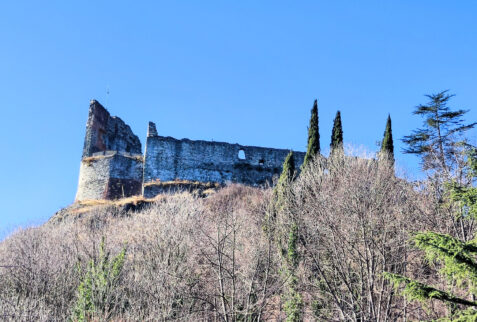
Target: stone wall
(112, 175)
(113, 167)
(168, 159)
(108, 133)
(112, 162)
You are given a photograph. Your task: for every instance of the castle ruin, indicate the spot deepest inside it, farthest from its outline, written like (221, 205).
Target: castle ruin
(113, 166)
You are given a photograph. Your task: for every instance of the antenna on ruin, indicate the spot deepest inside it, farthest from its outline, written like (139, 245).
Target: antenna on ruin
(107, 96)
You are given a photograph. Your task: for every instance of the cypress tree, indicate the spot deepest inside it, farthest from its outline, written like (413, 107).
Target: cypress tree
(337, 134)
(293, 305)
(387, 146)
(288, 171)
(313, 148)
(288, 244)
(280, 190)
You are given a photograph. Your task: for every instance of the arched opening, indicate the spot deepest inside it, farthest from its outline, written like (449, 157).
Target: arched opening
(241, 154)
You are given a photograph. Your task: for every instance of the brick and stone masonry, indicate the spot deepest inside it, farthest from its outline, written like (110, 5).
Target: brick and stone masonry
(112, 162)
(113, 167)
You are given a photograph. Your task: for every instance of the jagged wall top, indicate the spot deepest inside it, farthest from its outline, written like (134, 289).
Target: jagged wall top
(113, 166)
(108, 133)
(151, 130)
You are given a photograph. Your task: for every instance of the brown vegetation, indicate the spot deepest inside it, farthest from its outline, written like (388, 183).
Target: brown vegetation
(220, 258)
(89, 160)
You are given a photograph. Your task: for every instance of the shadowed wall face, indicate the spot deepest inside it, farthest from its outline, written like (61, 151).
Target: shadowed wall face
(108, 133)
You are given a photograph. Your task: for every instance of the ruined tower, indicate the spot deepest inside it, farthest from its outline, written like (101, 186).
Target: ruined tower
(112, 162)
(113, 167)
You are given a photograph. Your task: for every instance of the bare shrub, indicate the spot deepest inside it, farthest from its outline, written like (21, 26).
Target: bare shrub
(221, 257)
(353, 216)
(234, 256)
(186, 259)
(38, 276)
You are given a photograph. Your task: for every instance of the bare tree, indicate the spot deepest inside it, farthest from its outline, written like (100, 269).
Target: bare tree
(353, 216)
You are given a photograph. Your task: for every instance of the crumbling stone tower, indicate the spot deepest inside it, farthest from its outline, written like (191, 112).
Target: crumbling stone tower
(113, 167)
(112, 161)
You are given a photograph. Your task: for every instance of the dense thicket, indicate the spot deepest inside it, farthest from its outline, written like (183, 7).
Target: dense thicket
(186, 258)
(455, 255)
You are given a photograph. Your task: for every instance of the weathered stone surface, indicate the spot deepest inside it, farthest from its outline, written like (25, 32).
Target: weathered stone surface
(93, 179)
(113, 167)
(151, 130)
(105, 132)
(110, 176)
(112, 163)
(168, 159)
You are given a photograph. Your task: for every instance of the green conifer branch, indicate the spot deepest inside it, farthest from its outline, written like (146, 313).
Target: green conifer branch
(414, 290)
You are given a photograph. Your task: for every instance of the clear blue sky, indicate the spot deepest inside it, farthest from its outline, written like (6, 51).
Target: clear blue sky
(236, 71)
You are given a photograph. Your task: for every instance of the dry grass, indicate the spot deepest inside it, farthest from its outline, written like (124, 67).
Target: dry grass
(85, 206)
(206, 185)
(119, 202)
(139, 158)
(91, 159)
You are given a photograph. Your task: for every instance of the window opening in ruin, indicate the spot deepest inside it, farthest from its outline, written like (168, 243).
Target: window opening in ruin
(261, 162)
(241, 154)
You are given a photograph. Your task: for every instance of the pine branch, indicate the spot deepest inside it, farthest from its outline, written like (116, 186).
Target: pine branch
(414, 290)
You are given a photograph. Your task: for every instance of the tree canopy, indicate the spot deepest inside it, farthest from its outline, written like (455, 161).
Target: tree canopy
(387, 145)
(437, 141)
(337, 134)
(313, 147)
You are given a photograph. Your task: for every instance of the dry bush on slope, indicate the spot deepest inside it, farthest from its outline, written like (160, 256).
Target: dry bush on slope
(354, 216)
(175, 250)
(237, 258)
(206, 259)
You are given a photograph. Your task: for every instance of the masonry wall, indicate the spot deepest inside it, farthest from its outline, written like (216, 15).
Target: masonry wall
(113, 167)
(108, 133)
(93, 179)
(113, 175)
(112, 161)
(167, 159)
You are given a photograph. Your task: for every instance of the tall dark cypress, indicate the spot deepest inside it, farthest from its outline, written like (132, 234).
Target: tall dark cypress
(288, 170)
(313, 148)
(337, 134)
(387, 146)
